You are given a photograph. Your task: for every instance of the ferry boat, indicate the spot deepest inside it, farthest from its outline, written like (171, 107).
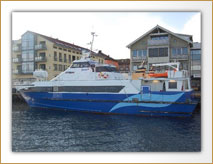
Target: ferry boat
(92, 87)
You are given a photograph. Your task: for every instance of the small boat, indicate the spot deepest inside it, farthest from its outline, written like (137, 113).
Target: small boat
(142, 72)
(164, 74)
(88, 86)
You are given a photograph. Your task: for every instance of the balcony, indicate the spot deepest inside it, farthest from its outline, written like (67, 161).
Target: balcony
(196, 67)
(40, 59)
(16, 49)
(16, 71)
(158, 42)
(139, 59)
(185, 57)
(17, 60)
(40, 47)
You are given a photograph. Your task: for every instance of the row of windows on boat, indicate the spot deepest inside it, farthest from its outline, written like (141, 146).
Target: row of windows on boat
(114, 89)
(94, 68)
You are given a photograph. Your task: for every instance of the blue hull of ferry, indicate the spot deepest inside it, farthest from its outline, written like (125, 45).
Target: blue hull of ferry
(155, 103)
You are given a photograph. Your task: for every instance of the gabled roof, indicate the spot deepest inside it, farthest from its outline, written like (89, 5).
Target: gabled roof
(180, 36)
(61, 43)
(106, 57)
(73, 46)
(187, 37)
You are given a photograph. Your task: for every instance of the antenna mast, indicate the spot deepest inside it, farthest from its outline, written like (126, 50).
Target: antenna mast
(93, 35)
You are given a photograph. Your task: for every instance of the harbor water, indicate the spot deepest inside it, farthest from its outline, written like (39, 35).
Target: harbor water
(42, 130)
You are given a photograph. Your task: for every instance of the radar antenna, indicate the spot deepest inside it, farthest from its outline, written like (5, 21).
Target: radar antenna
(91, 43)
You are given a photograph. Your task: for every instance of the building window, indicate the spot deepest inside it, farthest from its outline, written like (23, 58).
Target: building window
(163, 52)
(60, 48)
(42, 54)
(43, 66)
(174, 51)
(60, 57)
(158, 52)
(55, 67)
(184, 51)
(73, 58)
(28, 67)
(65, 58)
(195, 62)
(65, 49)
(28, 55)
(64, 67)
(55, 47)
(140, 53)
(195, 54)
(60, 67)
(69, 50)
(180, 51)
(153, 52)
(70, 59)
(172, 85)
(36, 66)
(163, 37)
(134, 53)
(28, 41)
(55, 56)
(144, 53)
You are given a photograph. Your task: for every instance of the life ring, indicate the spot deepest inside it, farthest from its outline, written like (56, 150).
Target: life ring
(103, 75)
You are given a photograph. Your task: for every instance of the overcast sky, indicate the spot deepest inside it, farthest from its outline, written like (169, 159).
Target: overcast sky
(115, 30)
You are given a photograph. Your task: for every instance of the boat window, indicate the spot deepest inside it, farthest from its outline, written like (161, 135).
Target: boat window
(172, 85)
(80, 65)
(106, 69)
(186, 84)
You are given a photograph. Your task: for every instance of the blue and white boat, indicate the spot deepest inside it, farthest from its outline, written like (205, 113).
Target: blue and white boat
(92, 87)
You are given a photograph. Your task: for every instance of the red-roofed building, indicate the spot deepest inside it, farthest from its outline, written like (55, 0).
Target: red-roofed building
(108, 59)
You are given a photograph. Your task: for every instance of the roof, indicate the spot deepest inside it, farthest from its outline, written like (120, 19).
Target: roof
(73, 46)
(106, 57)
(184, 36)
(69, 45)
(61, 43)
(180, 36)
(196, 45)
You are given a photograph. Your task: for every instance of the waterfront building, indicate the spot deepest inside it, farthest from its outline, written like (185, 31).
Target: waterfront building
(196, 60)
(107, 59)
(124, 65)
(196, 66)
(36, 51)
(160, 45)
